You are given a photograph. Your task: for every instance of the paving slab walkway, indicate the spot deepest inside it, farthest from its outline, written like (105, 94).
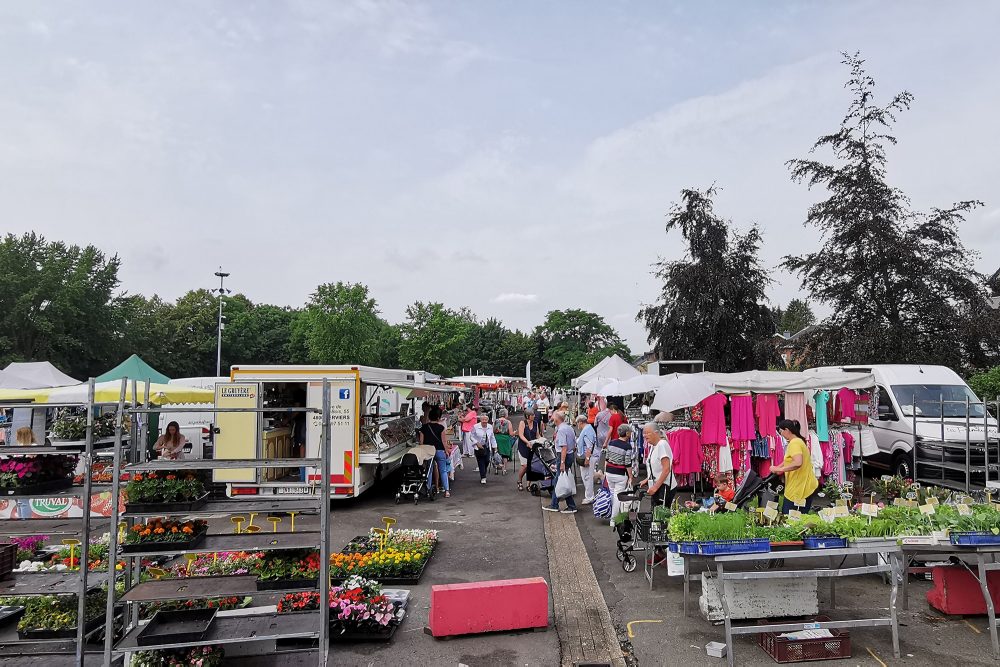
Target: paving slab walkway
(582, 619)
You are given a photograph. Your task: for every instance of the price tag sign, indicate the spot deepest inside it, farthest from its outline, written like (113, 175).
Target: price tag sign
(933, 501)
(731, 507)
(927, 509)
(899, 502)
(841, 502)
(886, 478)
(841, 510)
(794, 514)
(996, 506)
(964, 510)
(771, 513)
(827, 514)
(869, 509)
(772, 504)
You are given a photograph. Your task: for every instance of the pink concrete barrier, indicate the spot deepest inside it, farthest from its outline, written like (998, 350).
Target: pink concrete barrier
(488, 606)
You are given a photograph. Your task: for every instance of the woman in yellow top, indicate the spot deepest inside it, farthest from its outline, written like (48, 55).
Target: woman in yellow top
(800, 482)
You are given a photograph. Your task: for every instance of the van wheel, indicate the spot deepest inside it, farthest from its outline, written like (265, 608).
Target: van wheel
(902, 465)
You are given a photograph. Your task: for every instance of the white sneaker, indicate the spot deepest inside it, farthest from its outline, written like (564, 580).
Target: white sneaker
(482, 481)
(587, 501)
(569, 511)
(549, 508)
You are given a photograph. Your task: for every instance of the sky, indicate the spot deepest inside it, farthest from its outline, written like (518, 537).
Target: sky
(513, 158)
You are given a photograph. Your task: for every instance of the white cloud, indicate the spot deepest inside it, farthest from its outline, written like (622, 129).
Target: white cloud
(515, 297)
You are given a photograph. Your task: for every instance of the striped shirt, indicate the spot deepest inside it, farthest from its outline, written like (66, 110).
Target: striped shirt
(618, 457)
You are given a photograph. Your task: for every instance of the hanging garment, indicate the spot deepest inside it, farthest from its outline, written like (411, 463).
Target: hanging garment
(723, 461)
(848, 445)
(777, 450)
(795, 409)
(713, 421)
(761, 448)
(868, 445)
(763, 467)
(827, 449)
(767, 413)
(815, 454)
(685, 443)
(846, 400)
(741, 418)
(822, 423)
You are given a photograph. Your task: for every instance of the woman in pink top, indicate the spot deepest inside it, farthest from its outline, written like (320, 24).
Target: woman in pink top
(468, 422)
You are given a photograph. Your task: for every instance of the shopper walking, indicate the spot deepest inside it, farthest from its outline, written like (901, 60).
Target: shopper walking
(527, 431)
(602, 422)
(660, 482)
(592, 411)
(542, 406)
(587, 454)
(484, 443)
(616, 419)
(618, 466)
(565, 444)
(432, 433)
(468, 422)
(800, 481)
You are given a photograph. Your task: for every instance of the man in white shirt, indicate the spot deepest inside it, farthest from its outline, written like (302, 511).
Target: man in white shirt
(484, 443)
(588, 453)
(542, 407)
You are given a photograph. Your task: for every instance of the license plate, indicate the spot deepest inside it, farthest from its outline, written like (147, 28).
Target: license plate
(282, 490)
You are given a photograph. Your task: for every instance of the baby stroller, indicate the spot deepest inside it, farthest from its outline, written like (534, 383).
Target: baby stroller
(628, 529)
(753, 485)
(413, 481)
(541, 468)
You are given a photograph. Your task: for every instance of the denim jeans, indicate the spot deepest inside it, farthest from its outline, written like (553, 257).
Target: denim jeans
(788, 505)
(441, 461)
(570, 502)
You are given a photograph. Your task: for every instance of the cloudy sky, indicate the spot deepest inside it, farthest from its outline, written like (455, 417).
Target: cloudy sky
(510, 157)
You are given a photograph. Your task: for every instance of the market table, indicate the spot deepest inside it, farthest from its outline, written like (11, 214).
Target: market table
(953, 553)
(776, 571)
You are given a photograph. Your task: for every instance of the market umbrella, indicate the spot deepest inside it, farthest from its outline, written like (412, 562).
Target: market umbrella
(682, 391)
(109, 392)
(637, 385)
(597, 385)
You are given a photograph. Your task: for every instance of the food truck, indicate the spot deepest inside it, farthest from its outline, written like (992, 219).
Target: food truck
(372, 423)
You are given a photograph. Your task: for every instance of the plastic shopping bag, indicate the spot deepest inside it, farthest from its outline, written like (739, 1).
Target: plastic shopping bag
(566, 486)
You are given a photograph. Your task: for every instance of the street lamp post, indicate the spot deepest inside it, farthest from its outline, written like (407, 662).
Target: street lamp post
(222, 291)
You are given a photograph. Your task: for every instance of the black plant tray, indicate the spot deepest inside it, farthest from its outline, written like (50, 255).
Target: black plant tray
(65, 633)
(283, 584)
(176, 626)
(360, 539)
(9, 614)
(155, 547)
(38, 488)
(393, 581)
(167, 508)
(383, 635)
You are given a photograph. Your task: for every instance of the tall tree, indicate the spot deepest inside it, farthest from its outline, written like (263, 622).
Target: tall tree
(570, 342)
(796, 317)
(258, 334)
(900, 283)
(712, 305)
(433, 337)
(57, 303)
(341, 325)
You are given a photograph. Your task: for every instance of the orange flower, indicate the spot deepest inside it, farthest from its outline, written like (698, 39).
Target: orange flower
(187, 529)
(174, 529)
(137, 477)
(171, 476)
(159, 531)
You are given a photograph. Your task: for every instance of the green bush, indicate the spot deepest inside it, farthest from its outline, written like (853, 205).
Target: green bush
(986, 384)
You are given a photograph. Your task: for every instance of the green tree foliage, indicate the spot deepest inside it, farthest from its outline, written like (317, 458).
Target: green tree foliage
(796, 317)
(900, 283)
(493, 348)
(57, 303)
(259, 334)
(570, 342)
(191, 327)
(341, 325)
(712, 305)
(433, 338)
(986, 384)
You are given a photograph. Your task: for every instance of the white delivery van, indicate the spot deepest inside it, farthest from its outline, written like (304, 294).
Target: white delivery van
(928, 402)
(372, 422)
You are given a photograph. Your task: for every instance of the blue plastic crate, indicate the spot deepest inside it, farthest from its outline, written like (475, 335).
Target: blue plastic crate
(824, 542)
(726, 547)
(673, 547)
(974, 539)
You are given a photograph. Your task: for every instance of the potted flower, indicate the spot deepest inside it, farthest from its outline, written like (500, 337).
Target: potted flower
(388, 566)
(34, 474)
(192, 656)
(161, 534)
(29, 546)
(164, 492)
(358, 610)
(55, 616)
(292, 569)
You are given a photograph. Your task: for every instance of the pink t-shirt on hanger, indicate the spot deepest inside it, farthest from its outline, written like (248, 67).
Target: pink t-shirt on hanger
(767, 414)
(713, 421)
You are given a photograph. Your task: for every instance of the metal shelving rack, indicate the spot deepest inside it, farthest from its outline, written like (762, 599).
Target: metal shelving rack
(227, 629)
(981, 457)
(56, 651)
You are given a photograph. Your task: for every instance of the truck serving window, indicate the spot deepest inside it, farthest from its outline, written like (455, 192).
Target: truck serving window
(928, 400)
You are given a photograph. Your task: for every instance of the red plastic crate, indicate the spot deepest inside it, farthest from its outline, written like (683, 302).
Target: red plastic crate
(784, 650)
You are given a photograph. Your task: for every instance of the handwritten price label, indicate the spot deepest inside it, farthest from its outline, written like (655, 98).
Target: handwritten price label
(933, 501)
(964, 510)
(868, 509)
(794, 514)
(771, 513)
(927, 509)
(731, 507)
(772, 505)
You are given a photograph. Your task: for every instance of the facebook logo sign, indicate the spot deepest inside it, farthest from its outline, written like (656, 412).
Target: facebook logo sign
(345, 394)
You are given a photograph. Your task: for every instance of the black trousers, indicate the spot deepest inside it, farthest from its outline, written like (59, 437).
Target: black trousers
(483, 459)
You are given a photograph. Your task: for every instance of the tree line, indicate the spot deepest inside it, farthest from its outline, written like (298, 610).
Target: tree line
(899, 283)
(63, 303)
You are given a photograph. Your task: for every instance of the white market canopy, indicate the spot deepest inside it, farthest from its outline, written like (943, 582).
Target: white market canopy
(37, 374)
(483, 379)
(611, 368)
(637, 385)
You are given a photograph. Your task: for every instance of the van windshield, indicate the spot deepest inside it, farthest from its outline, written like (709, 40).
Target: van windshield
(928, 400)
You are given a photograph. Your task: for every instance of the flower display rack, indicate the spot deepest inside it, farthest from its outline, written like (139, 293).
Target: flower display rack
(66, 644)
(265, 626)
